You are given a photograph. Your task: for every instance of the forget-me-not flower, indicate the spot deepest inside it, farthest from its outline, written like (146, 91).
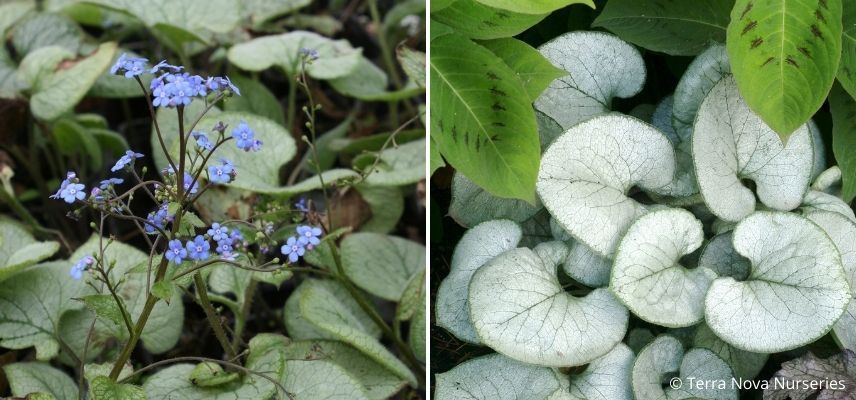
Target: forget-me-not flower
(309, 234)
(197, 249)
(202, 140)
(176, 251)
(110, 182)
(78, 268)
(72, 192)
(131, 66)
(294, 249)
(127, 159)
(218, 232)
(245, 138)
(221, 173)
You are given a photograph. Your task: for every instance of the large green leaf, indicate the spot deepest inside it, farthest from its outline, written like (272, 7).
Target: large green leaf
(31, 303)
(266, 357)
(12, 11)
(843, 109)
(673, 27)
(847, 65)
(534, 71)
(534, 6)
(321, 379)
(103, 388)
(315, 308)
(784, 56)
(482, 120)
(117, 86)
(381, 264)
(472, 205)
(745, 364)
(401, 165)
(60, 92)
(255, 98)
(35, 377)
(478, 21)
(386, 204)
(336, 58)
(259, 11)
(339, 302)
(378, 382)
(18, 249)
(368, 82)
(46, 29)
(202, 17)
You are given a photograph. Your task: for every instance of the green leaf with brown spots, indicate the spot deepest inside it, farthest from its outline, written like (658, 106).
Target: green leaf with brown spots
(843, 109)
(478, 21)
(483, 121)
(847, 66)
(784, 55)
(534, 70)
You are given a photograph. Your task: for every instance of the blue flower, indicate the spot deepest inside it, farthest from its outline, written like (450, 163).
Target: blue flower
(236, 235)
(309, 234)
(70, 177)
(198, 248)
(310, 54)
(110, 182)
(126, 159)
(294, 249)
(158, 218)
(245, 138)
(173, 90)
(176, 252)
(95, 195)
(129, 65)
(72, 192)
(218, 83)
(218, 232)
(164, 66)
(202, 140)
(301, 205)
(187, 180)
(82, 265)
(221, 173)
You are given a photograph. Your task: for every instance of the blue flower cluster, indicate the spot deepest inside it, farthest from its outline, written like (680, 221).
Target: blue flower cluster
(245, 138)
(171, 87)
(158, 218)
(70, 189)
(306, 239)
(199, 249)
(223, 173)
(82, 265)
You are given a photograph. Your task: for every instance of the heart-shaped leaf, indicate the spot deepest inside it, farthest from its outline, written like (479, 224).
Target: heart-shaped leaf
(701, 76)
(336, 58)
(587, 172)
(745, 364)
(665, 356)
(472, 205)
(600, 67)
(731, 143)
(497, 377)
(784, 55)
(478, 246)
(648, 276)
(19, 250)
(794, 293)
(35, 377)
(532, 319)
(381, 264)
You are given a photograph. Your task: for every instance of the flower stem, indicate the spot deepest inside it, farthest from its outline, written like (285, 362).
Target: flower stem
(213, 319)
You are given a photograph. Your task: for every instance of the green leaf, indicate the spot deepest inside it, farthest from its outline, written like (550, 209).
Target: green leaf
(260, 11)
(339, 302)
(794, 293)
(678, 28)
(105, 307)
(316, 308)
(381, 264)
(13, 11)
(481, 122)
(534, 6)
(437, 5)
(745, 364)
(266, 357)
(321, 379)
(73, 138)
(117, 86)
(413, 64)
(32, 301)
(411, 297)
(163, 290)
(209, 16)
(378, 382)
(35, 377)
(209, 373)
(255, 98)
(19, 250)
(784, 56)
(373, 142)
(843, 109)
(436, 159)
(336, 58)
(416, 334)
(386, 204)
(368, 82)
(103, 388)
(534, 71)
(401, 165)
(46, 29)
(472, 205)
(847, 65)
(478, 21)
(61, 91)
